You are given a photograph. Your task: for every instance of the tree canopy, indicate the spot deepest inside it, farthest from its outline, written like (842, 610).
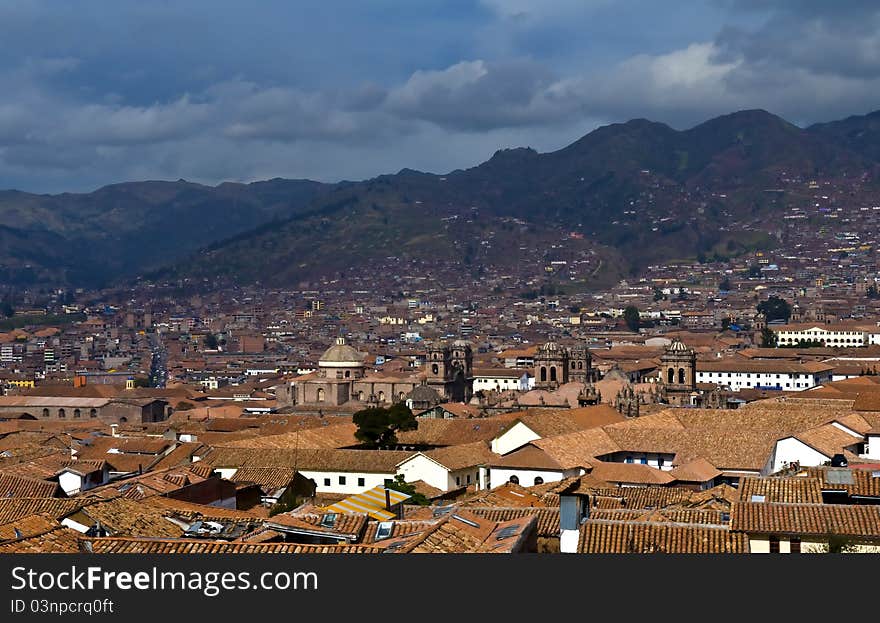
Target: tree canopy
(378, 426)
(775, 308)
(631, 317)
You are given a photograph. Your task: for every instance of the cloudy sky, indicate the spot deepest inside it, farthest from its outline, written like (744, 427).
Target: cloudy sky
(211, 90)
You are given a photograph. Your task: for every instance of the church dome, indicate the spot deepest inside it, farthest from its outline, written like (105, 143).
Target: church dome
(341, 355)
(424, 393)
(678, 346)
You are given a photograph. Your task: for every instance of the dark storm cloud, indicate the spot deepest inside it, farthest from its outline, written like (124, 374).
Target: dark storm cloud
(226, 90)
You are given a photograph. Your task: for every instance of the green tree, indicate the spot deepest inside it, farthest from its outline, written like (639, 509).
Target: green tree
(398, 484)
(377, 426)
(211, 341)
(775, 308)
(631, 317)
(768, 338)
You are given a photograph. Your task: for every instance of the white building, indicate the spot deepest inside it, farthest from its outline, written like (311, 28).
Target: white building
(833, 336)
(778, 375)
(503, 379)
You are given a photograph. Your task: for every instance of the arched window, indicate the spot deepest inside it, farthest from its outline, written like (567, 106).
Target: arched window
(123, 420)
(573, 365)
(580, 365)
(553, 373)
(435, 369)
(45, 412)
(401, 396)
(320, 394)
(681, 375)
(381, 396)
(348, 374)
(61, 413)
(93, 413)
(514, 480)
(543, 374)
(361, 395)
(77, 413)
(539, 480)
(670, 375)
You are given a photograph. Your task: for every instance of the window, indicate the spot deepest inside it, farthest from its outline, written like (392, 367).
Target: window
(361, 396)
(643, 461)
(469, 479)
(46, 412)
(514, 479)
(458, 481)
(93, 413)
(342, 480)
(670, 376)
(774, 544)
(361, 482)
(61, 413)
(543, 374)
(326, 482)
(381, 396)
(681, 375)
(795, 545)
(77, 413)
(321, 394)
(348, 374)
(539, 480)
(553, 373)
(435, 369)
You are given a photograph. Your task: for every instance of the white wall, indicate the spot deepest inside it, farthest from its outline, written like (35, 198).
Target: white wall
(489, 383)
(516, 437)
(738, 380)
(873, 449)
(420, 467)
(500, 475)
(70, 482)
(790, 449)
(351, 486)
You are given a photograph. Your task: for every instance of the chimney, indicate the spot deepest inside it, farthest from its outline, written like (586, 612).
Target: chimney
(114, 430)
(387, 498)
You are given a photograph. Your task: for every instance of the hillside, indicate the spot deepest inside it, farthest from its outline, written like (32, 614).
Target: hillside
(623, 196)
(123, 229)
(639, 191)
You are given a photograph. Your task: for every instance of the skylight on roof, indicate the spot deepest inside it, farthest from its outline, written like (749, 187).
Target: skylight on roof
(383, 531)
(466, 521)
(507, 532)
(757, 498)
(328, 520)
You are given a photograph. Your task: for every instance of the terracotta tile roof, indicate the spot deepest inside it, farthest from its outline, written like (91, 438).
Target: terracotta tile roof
(12, 509)
(695, 470)
(27, 526)
(126, 517)
(806, 519)
(345, 524)
(528, 456)
(856, 482)
(399, 530)
(58, 540)
(508, 495)
(462, 456)
(463, 532)
(631, 473)
(372, 461)
(273, 478)
(170, 507)
(665, 515)
(12, 486)
(794, 489)
(827, 439)
(187, 546)
(577, 449)
(547, 518)
(598, 536)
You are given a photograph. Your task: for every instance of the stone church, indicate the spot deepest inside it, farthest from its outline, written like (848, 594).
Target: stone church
(343, 378)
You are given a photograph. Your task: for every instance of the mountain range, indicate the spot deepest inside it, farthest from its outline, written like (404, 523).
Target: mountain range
(637, 192)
